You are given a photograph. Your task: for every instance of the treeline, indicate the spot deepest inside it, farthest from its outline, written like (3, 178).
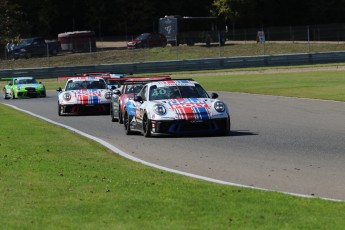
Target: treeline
(22, 18)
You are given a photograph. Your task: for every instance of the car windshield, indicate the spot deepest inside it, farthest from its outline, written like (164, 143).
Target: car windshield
(133, 88)
(27, 41)
(26, 81)
(174, 92)
(77, 85)
(142, 36)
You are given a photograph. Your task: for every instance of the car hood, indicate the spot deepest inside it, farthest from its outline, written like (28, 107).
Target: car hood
(189, 108)
(86, 96)
(134, 41)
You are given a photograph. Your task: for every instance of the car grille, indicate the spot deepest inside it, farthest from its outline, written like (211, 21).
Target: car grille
(87, 109)
(31, 92)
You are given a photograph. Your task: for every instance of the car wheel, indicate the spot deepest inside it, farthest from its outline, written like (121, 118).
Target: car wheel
(28, 55)
(226, 132)
(13, 95)
(54, 52)
(59, 110)
(126, 122)
(113, 119)
(4, 95)
(120, 116)
(146, 126)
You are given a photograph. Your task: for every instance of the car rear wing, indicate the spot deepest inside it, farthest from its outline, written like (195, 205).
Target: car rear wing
(142, 80)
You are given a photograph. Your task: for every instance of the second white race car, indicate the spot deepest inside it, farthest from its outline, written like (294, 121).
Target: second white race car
(84, 95)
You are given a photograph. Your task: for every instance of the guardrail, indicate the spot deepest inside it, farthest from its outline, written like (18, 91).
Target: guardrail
(183, 65)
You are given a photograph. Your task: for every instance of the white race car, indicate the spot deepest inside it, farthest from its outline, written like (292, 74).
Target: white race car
(84, 95)
(176, 107)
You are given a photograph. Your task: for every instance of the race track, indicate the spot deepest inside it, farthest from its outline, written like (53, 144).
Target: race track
(277, 143)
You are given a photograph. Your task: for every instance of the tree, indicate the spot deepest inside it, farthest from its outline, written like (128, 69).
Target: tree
(9, 21)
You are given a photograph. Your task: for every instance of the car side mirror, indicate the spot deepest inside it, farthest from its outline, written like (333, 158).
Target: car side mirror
(59, 89)
(117, 92)
(138, 98)
(113, 87)
(214, 95)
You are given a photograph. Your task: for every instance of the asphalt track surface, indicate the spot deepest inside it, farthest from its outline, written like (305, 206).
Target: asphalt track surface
(276, 143)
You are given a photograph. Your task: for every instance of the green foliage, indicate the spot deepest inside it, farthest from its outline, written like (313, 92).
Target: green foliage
(50, 17)
(9, 21)
(54, 179)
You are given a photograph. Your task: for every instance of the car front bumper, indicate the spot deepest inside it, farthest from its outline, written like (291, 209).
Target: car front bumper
(186, 127)
(85, 109)
(31, 93)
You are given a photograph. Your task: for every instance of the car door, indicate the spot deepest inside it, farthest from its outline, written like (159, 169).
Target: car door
(156, 40)
(140, 107)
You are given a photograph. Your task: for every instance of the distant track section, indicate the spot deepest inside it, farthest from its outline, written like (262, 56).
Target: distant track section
(185, 65)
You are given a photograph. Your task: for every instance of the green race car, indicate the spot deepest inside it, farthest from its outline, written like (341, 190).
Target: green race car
(23, 87)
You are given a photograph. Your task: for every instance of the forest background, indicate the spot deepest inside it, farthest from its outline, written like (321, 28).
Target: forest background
(47, 18)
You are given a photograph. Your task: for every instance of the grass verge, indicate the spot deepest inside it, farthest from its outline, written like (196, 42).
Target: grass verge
(183, 52)
(52, 178)
(327, 84)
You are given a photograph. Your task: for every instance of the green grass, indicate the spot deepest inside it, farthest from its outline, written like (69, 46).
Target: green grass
(52, 178)
(124, 55)
(327, 85)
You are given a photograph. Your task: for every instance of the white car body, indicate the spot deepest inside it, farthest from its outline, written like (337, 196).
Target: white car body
(176, 107)
(83, 95)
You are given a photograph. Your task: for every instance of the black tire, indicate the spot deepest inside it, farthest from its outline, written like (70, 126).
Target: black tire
(113, 119)
(146, 126)
(4, 95)
(226, 132)
(126, 122)
(120, 116)
(28, 55)
(59, 110)
(54, 52)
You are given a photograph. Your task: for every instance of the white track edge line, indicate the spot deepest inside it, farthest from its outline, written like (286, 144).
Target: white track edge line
(123, 154)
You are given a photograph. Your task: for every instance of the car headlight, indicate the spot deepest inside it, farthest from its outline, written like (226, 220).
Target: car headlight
(18, 87)
(159, 109)
(219, 106)
(67, 96)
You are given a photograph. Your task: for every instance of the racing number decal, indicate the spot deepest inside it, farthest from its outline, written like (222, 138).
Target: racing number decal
(157, 92)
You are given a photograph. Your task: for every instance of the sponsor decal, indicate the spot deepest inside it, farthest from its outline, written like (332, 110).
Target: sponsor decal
(190, 108)
(88, 96)
(175, 83)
